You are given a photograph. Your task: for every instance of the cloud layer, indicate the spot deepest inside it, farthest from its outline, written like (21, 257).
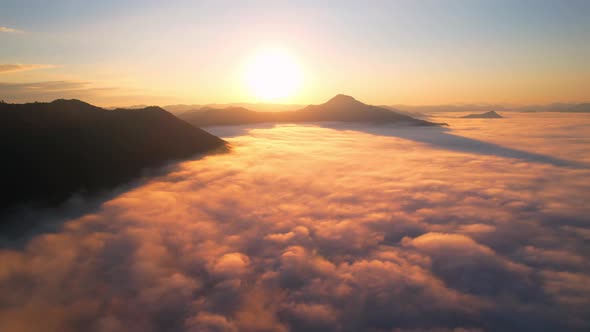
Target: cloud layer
(49, 90)
(304, 228)
(10, 30)
(8, 68)
(94, 93)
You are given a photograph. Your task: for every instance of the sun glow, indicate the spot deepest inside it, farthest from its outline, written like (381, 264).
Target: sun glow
(273, 75)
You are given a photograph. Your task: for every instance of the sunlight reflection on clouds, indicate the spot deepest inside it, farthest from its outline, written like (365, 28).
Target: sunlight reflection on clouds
(308, 228)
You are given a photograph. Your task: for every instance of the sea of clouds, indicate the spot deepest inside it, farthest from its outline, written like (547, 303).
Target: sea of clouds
(330, 228)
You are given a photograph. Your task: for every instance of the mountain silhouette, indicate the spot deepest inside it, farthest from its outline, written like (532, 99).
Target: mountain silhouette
(486, 115)
(52, 150)
(340, 108)
(580, 108)
(258, 107)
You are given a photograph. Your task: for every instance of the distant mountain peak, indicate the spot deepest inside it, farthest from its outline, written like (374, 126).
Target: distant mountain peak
(71, 105)
(341, 99)
(69, 102)
(486, 115)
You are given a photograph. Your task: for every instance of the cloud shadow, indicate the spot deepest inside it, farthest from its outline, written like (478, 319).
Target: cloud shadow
(442, 138)
(19, 224)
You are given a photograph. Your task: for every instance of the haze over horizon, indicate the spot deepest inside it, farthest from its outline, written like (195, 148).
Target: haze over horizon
(120, 53)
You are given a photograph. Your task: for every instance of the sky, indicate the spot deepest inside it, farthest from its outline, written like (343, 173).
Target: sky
(128, 52)
(343, 227)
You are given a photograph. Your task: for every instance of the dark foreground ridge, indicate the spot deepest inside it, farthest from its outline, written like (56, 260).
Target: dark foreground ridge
(486, 115)
(340, 108)
(52, 150)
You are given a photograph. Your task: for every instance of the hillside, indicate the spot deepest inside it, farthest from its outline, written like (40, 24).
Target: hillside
(51, 150)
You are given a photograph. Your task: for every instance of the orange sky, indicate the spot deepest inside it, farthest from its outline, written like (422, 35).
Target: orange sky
(131, 52)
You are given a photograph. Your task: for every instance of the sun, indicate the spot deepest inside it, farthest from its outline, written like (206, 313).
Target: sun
(273, 75)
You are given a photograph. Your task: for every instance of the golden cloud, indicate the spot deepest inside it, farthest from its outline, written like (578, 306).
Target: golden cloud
(10, 30)
(309, 228)
(9, 68)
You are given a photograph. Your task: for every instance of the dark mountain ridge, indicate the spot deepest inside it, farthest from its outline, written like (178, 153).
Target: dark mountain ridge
(486, 115)
(340, 108)
(52, 150)
(580, 108)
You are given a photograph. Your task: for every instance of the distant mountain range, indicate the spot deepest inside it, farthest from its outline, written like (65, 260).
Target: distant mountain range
(258, 107)
(416, 111)
(555, 107)
(177, 109)
(579, 108)
(52, 150)
(339, 108)
(486, 115)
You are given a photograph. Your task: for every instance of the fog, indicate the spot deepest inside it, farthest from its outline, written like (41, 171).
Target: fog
(483, 226)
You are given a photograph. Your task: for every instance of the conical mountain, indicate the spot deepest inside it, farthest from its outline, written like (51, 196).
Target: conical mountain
(341, 100)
